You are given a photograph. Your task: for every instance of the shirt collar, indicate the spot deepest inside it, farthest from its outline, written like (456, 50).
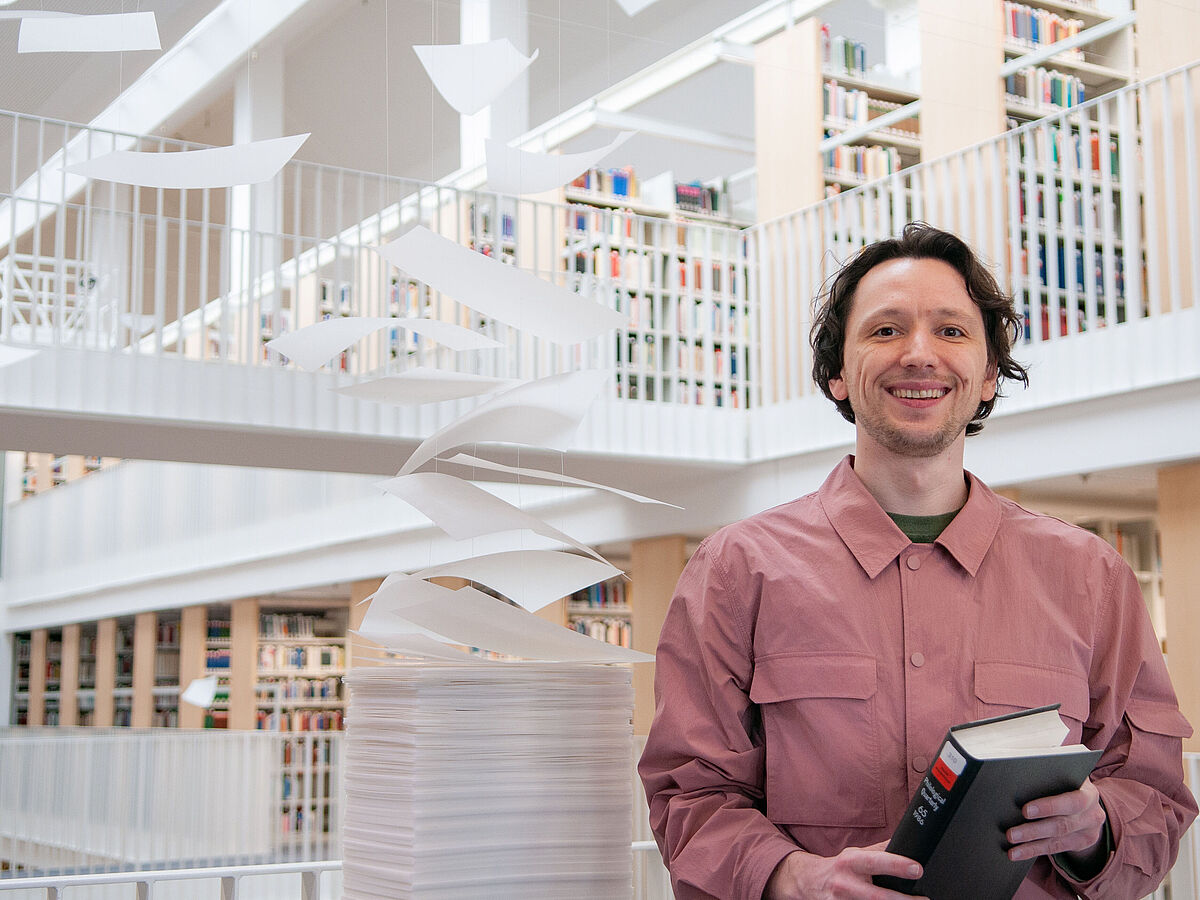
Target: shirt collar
(875, 540)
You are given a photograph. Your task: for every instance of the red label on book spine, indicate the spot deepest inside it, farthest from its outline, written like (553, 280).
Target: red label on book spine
(944, 774)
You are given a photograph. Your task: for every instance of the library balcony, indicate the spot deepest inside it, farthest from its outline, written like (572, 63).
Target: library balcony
(151, 308)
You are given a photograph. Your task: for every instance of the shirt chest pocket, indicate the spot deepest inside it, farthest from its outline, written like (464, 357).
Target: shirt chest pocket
(822, 739)
(1003, 686)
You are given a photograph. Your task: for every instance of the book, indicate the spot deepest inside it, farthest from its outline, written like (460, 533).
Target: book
(973, 793)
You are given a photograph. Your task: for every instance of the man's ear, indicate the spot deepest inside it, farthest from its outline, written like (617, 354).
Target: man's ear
(989, 383)
(837, 388)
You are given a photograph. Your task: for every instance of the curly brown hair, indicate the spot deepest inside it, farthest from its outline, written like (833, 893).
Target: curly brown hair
(1002, 323)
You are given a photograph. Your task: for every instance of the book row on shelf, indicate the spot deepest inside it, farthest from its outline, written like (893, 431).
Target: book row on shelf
(166, 667)
(662, 196)
(618, 182)
(604, 594)
(284, 658)
(1033, 27)
(293, 821)
(842, 54)
(42, 471)
(293, 688)
(642, 352)
(295, 785)
(644, 271)
(690, 318)
(287, 625)
(637, 386)
(218, 629)
(1041, 88)
(1067, 202)
(1054, 144)
(1080, 263)
(612, 630)
(299, 720)
(860, 163)
(851, 106)
(217, 658)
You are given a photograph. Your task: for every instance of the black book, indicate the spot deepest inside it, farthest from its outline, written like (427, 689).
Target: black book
(973, 793)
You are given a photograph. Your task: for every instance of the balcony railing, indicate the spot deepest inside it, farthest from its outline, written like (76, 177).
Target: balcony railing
(211, 275)
(88, 800)
(1090, 217)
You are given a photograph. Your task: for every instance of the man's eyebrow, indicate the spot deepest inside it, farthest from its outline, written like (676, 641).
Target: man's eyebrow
(903, 312)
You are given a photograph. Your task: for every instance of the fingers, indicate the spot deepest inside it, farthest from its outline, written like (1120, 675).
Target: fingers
(869, 861)
(1065, 822)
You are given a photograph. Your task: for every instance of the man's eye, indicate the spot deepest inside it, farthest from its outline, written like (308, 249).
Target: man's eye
(885, 331)
(952, 331)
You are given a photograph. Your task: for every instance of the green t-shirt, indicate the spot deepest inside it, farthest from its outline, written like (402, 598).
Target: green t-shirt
(923, 529)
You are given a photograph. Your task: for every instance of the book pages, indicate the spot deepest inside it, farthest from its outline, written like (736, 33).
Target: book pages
(500, 291)
(314, 345)
(542, 413)
(501, 781)
(476, 462)
(470, 76)
(88, 34)
(424, 385)
(514, 171)
(214, 167)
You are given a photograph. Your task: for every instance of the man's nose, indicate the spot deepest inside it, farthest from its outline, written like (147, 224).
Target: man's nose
(918, 349)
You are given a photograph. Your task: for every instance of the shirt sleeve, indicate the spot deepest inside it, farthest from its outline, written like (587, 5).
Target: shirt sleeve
(703, 762)
(1135, 717)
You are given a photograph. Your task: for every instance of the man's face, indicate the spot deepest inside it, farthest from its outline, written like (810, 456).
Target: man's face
(914, 365)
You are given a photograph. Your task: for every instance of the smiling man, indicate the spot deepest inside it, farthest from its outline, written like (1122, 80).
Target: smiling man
(814, 655)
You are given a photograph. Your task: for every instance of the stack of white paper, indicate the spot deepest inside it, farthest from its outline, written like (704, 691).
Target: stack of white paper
(500, 780)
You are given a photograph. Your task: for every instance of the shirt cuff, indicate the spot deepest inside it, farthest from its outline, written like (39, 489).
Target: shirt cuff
(1067, 868)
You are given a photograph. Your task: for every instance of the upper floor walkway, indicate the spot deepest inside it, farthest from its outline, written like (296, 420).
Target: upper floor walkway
(151, 307)
(150, 310)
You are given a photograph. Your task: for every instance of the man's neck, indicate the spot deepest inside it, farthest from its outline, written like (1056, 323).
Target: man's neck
(913, 486)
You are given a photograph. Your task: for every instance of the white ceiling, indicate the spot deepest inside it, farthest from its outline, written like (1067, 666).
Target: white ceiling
(354, 82)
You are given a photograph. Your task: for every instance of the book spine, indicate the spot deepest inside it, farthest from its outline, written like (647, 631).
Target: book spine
(931, 809)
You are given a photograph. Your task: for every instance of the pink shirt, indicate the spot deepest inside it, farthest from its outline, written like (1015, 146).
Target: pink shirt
(813, 658)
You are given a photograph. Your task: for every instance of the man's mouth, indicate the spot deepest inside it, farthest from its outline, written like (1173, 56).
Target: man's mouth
(925, 394)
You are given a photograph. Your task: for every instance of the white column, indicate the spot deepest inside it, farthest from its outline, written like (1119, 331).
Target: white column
(488, 20)
(257, 115)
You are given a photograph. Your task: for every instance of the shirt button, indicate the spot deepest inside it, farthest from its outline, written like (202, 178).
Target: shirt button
(920, 763)
(913, 562)
(918, 659)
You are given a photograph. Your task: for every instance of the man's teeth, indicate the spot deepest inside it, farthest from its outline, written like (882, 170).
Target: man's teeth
(931, 394)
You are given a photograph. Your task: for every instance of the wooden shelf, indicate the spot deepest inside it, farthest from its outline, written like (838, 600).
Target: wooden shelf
(896, 92)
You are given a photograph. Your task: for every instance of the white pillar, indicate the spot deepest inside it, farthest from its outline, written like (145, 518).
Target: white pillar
(488, 20)
(254, 209)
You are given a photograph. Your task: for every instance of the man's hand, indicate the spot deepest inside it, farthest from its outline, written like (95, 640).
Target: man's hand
(1070, 823)
(803, 876)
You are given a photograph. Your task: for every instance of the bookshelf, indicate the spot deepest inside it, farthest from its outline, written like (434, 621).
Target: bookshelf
(1138, 541)
(300, 663)
(675, 263)
(53, 681)
(1069, 192)
(43, 471)
(1070, 77)
(217, 661)
(602, 611)
(853, 93)
(123, 681)
(165, 691)
(85, 695)
(22, 659)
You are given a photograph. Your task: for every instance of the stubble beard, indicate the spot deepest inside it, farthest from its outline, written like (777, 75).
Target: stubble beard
(909, 442)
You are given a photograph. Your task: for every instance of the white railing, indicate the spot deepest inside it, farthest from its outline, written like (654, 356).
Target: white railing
(1090, 217)
(262, 882)
(86, 800)
(211, 275)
